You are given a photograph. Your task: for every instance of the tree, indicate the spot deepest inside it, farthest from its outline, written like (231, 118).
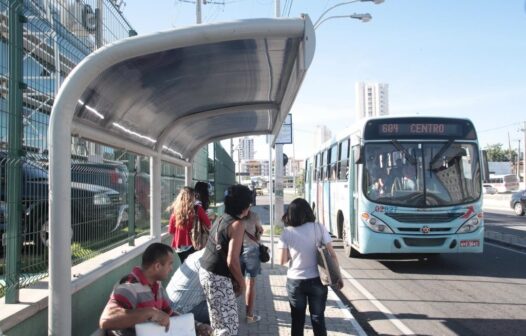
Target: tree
(495, 153)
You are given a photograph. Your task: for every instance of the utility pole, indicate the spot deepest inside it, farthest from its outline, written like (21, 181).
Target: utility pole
(198, 15)
(519, 160)
(524, 155)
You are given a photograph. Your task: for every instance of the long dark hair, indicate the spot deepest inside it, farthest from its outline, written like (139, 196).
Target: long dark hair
(202, 194)
(298, 213)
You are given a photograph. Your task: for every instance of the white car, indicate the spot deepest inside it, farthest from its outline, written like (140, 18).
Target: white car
(489, 189)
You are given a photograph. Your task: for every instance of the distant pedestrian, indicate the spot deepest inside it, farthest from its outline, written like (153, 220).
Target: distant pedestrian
(183, 213)
(298, 247)
(220, 272)
(250, 263)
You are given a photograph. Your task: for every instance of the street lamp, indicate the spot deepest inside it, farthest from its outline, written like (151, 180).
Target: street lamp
(320, 19)
(362, 17)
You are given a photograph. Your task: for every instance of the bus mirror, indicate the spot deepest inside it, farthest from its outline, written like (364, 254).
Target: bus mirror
(358, 154)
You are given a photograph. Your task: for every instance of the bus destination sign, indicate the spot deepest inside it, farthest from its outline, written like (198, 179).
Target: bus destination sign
(424, 129)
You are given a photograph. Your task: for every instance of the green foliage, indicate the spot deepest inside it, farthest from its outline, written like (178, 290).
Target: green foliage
(495, 153)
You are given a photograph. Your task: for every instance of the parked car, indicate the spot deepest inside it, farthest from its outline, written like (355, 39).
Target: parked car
(518, 202)
(94, 208)
(489, 189)
(110, 175)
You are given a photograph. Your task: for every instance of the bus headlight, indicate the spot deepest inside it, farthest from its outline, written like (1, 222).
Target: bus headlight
(471, 224)
(375, 224)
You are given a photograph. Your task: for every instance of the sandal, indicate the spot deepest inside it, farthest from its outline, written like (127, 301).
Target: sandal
(253, 319)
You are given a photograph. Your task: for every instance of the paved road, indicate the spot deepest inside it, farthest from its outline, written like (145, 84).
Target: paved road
(472, 294)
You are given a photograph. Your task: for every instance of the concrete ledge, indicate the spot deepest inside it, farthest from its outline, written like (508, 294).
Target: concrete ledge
(35, 298)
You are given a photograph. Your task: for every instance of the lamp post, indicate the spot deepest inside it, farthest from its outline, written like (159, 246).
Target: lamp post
(320, 19)
(362, 17)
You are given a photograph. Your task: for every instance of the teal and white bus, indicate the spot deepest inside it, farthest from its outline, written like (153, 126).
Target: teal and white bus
(401, 185)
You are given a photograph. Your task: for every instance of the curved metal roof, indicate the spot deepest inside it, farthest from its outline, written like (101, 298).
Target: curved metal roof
(175, 91)
(166, 95)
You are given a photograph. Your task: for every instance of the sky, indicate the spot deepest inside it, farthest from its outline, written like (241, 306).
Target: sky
(458, 58)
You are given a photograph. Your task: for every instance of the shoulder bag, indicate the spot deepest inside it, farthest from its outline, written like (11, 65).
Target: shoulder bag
(328, 269)
(264, 255)
(199, 234)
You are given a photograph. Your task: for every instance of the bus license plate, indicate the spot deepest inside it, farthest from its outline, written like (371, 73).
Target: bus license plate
(469, 243)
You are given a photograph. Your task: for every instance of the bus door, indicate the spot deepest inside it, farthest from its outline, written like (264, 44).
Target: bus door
(307, 181)
(354, 192)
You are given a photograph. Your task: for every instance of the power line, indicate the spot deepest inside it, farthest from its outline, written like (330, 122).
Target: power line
(499, 127)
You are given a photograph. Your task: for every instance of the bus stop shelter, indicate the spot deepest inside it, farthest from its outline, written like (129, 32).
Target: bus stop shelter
(165, 96)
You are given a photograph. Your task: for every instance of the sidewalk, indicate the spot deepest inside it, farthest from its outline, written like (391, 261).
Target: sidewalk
(273, 306)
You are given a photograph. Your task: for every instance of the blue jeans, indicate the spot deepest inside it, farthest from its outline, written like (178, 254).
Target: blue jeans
(300, 292)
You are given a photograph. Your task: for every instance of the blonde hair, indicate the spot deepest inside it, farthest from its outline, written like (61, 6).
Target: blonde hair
(183, 207)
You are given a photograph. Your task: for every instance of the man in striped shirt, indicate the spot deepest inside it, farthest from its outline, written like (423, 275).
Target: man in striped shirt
(185, 291)
(140, 296)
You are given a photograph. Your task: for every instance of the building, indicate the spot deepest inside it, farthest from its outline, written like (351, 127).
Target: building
(246, 149)
(323, 133)
(254, 167)
(293, 167)
(372, 99)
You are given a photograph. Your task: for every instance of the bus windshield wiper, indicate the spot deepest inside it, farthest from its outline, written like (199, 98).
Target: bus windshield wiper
(402, 149)
(440, 152)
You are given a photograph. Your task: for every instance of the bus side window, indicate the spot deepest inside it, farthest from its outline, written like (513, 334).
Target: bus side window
(343, 160)
(318, 167)
(333, 162)
(325, 168)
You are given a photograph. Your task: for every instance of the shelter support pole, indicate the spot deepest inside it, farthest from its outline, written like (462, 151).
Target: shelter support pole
(155, 197)
(278, 191)
(59, 308)
(188, 176)
(130, 192)
(270, 201)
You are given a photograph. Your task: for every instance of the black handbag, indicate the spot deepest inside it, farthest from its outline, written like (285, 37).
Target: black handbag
(264, 251)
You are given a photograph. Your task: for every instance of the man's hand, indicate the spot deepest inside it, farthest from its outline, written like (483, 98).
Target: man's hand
(161, 318)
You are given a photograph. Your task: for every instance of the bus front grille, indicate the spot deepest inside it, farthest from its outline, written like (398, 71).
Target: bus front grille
(424, 242)
(417, 229)
(424, 218)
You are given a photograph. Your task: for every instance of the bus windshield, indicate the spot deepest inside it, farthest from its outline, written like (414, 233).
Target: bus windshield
(421, 174)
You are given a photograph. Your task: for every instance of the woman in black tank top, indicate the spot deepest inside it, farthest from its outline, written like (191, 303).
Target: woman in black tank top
(220, 273)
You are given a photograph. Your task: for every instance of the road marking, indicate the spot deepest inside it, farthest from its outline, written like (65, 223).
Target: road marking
(390, 316)
(504, 247)
(347, 313)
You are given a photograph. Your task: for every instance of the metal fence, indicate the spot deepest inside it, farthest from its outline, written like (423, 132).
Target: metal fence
(222, 172)
(41, 41)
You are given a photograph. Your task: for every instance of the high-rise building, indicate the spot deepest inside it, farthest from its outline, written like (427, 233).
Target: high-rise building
(246, 148)
(323, 133)
(372, 99)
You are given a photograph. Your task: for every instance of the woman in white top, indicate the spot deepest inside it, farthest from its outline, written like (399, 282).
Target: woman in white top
(298, 245)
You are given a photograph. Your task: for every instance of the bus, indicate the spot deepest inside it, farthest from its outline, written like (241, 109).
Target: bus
(400, 185)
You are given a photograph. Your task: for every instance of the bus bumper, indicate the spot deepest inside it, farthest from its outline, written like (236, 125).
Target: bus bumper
(373, 242)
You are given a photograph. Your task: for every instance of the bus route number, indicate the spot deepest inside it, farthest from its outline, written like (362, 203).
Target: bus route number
(390, 128)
